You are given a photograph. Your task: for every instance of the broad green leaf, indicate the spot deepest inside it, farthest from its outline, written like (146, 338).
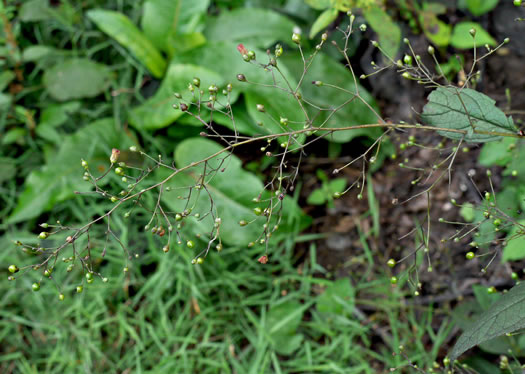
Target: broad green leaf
(54, 116)
(506, 315)
(515, 248)
(462, 39)
(317, 197)
(167, 22)
(57, 180)
(158, 111)
(232, 191)
(467, 110)
(337, 185)
(337, 298)
(254, 27)
(214, 63)
(388, 31)
(14, 135)
(496, 153)
(323, 21)
(120, 28)
(437, 31)
(356, 112)
(479, 7)
(76, 78)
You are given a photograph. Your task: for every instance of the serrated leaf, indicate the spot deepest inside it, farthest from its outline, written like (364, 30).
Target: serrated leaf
(164, 20)
(57, 180)
(466, 110)
(323, 21)
(462, 39)
(76, 78)
(388, 31)
(255, 27)
(120, 28)
(505, 316)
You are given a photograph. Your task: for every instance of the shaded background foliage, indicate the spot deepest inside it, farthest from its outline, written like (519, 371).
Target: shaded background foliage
(79, 79)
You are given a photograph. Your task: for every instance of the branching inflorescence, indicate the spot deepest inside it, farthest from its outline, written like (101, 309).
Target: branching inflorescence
(184, 210)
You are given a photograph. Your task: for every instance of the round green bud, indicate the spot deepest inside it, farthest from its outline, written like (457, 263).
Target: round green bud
(374, 43)
(496, 222)
(336, 195)
(407, 60)
(84, 164)
(200, 260)
(359, 196)
(61, 297)
(431, 50)
(35, 287)
(80, 289)
(514, 173)
(190, 244)
(243, 222)
(296, 38)
(517, 2)
(391, 263)
(258, 211)
(470, 255)
(89, 275)
(393, 280)
(472, 32)
(514, 275)
(13, 269)
(43, 235)
(362, 27)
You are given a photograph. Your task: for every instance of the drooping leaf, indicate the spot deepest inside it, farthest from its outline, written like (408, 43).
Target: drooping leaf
(323, 21)
(76, 78)
(254, 27)
(356, 112)
(462, 39)
(57, 180)
(388, 31)
(479, 7)
(120, 28)
(466, 110)
(167, 22)
(504, 316)
(515, 248)
(232, 191)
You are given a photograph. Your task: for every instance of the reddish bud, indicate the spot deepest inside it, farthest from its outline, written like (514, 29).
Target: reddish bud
(263, 259)
(114, 155)
(242, 50)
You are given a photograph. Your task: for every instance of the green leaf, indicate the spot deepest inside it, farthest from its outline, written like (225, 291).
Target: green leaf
(35, 53)
(57, 180)
(216, 63)
(283, 320)
(7, 168)
(76, 78)
(120, 28)
(338, 298)
(158, 111)
(319, 4)
(479, 7)
(35, 10)
(328, 70)
(468, 212)
(437, 31)
(54, 116)
(5, 78)
(505, 316)
(323, 21)
(462, 39)
(515, 248)
(337, 185)
(467, 110)
(317, 197)
(255, 27)
(232, 191)
(496, 153)
(388, 31)
(164, 20)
